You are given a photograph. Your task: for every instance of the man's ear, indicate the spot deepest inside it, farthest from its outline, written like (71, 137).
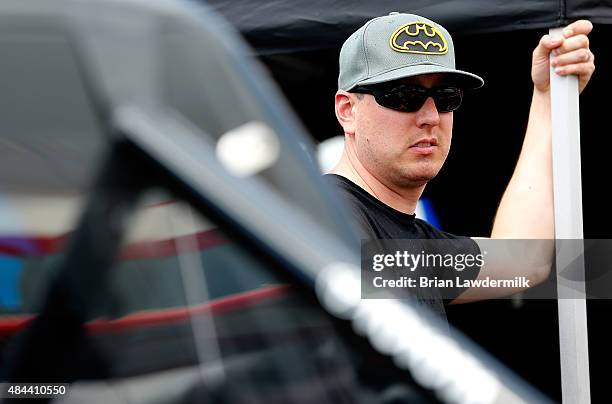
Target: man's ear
(345, 113)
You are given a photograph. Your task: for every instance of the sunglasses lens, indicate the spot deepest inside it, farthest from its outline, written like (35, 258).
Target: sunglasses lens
(408, 98)
(404, 98)
(448, 99)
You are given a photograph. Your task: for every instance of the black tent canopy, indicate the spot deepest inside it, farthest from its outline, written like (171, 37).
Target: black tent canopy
(279, 26)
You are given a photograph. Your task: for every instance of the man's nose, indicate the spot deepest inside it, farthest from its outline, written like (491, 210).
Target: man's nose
(428, 114)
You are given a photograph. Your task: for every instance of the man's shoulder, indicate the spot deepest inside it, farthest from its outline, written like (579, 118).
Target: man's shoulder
(348, 190)
(429, 228)
(434, 232)
(358, 201)
(340, 182)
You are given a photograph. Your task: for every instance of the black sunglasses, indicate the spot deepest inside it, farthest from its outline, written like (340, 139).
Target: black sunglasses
(410, 98)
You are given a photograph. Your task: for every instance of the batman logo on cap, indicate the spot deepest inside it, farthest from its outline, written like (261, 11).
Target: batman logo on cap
(419, 37)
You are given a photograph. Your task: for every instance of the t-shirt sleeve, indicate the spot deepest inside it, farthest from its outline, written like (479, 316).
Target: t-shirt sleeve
(458, 247)
(467, 247)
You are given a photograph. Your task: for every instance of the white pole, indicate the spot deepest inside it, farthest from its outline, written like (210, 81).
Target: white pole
(573, 337)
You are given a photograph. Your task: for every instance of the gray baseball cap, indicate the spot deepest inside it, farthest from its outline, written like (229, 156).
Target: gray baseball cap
(396, 46)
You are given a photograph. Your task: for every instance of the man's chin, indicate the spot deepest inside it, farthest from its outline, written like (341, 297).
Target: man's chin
(418, 179)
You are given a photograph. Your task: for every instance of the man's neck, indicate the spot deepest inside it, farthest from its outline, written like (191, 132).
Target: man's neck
(404, 199)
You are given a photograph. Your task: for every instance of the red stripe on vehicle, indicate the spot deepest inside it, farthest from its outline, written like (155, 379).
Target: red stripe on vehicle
(27, 247)
(12, 324)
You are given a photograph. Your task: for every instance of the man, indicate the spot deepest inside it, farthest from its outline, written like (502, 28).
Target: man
(398, 88)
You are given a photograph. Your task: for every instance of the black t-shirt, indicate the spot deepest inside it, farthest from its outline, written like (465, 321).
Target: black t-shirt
(378, 221)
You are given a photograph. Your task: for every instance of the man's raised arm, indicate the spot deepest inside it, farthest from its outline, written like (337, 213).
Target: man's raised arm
(526, 208)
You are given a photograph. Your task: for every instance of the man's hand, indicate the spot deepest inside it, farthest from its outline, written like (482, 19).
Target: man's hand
(571, 56)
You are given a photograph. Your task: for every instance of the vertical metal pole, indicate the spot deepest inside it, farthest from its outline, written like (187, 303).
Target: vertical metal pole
(573, 337)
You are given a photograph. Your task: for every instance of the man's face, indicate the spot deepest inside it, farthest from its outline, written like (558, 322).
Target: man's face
(403, 149)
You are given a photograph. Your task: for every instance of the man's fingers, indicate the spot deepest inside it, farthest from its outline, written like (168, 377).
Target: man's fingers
(571, 55)
(549, 42)
(580, 69)
(577, 28)
(577, 56)
(574, 37)
(571, 44)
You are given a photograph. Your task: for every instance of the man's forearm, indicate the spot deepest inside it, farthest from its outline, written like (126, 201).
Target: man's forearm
(525, 211)
(526, 208)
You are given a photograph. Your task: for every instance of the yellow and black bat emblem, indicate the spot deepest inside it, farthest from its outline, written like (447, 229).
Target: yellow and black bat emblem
(419, 37)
